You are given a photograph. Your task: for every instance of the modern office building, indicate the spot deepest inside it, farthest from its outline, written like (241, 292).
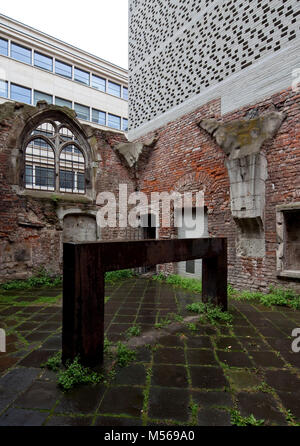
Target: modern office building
(35, 66)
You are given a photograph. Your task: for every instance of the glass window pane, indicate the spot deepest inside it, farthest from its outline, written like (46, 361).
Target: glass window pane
(42, 61)
(44, 177)
(125, 93)
(82, 111)
(66, 179)
(39, 96)
(114, 121)
(20, 94)
(114, 89)
(20, 53)
(4, 47)
(99, 117)
(99, 83)
(63, 102)
(125, 125)
(80, 181)
(29, 176)
(82, 76)
(3, 89)
(63, 69)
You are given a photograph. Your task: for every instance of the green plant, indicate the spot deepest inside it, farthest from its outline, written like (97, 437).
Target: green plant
(192, 327)
(238, 420)
(275, 296)
(194, 408)
(107, 346)
(53, 363)
(193, 285)
(106, 299)
(41, 279)
(159, 277)
(124, 355)
(133, 331)
(177, 318)
(117, 276)
(164, 322)
(211, 312)
(76, 374)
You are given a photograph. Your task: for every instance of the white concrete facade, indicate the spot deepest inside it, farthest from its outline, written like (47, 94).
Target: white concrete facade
(183, 54)
(48, 82)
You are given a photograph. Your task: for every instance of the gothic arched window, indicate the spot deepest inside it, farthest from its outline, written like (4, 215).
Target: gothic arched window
(54, 160)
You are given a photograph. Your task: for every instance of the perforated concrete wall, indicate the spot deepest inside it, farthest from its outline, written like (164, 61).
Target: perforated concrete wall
(181, 49)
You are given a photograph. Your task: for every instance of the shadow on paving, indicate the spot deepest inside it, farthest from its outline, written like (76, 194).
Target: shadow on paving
(185, 377)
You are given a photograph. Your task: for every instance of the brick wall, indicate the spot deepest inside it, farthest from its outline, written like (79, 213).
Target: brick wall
(187, 158)
(30, 230)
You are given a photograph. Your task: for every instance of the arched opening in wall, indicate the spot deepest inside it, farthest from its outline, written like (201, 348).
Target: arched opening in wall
(192, 223)
(56, 158)
(79, 228)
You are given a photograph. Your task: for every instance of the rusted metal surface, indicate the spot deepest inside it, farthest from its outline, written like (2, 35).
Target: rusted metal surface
(83, 286)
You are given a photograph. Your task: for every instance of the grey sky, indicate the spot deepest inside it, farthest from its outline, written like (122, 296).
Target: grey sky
(97, 26)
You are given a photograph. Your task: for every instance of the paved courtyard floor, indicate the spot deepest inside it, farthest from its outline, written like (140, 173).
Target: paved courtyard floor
(185, 377)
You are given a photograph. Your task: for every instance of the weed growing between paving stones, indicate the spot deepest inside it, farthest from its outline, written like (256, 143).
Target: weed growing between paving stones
(124, 354)
(276, 296)
(193, 285)
(116, 276)
(238, 420)
(133, 331)
(194, 408)
(76, 374)
(210, 312)
(164, 322)
(53, 363)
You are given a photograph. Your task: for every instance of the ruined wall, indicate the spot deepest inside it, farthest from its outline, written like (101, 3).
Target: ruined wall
(32, 221)
(187, 158)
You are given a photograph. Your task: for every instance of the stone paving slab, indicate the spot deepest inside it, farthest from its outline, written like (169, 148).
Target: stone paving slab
(185, 377)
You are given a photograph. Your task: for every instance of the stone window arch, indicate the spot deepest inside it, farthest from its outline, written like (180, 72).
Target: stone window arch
(56, 158)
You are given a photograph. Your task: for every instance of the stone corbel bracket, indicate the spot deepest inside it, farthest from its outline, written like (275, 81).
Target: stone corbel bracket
(241, 140)
(131, 151)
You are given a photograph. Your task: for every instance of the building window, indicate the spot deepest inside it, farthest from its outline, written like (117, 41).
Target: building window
(63, 102)
(63, 69)
(99, 117)
(99, 83)
(125, 93)
(20, 94)
(71, 170)
(49, 142)
(42, 61)
(125, 125)
(40, 165)
(39, 96)
(4, 47)
(288, 236)
(81, 76)
(114, 121)
(20, 53)
(3, 89)
(114, 89)
(82, 111)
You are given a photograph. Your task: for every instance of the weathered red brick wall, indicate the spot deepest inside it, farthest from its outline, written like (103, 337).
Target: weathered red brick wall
(187, 158)
(30, 230)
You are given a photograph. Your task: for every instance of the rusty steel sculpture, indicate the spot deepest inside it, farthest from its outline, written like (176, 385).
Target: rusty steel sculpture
(85, 265)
